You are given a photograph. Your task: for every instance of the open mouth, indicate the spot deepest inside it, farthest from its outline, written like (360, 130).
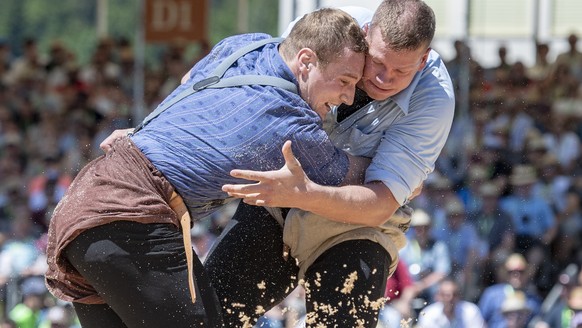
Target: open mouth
(329, 106)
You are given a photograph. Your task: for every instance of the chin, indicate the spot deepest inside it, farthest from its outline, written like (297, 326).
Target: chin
(376, 93)
(379, 95)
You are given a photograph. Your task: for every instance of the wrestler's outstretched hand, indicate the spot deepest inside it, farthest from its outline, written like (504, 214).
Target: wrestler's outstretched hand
(106, 144)
(280, 188)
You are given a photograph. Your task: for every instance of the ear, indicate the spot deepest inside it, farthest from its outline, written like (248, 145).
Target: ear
(306, 59)
(424, 59)
(366, 28)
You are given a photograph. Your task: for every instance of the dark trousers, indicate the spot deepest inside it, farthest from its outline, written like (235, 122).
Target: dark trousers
(140, 271)
(248, 271)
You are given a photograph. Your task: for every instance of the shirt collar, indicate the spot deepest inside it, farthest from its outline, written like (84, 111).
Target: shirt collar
(402, 99)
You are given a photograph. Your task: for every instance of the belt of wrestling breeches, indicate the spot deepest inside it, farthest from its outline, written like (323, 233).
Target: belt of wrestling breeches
(177, 204)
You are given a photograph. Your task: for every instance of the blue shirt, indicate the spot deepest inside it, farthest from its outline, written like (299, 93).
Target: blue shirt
(492, 299)
(199, 140)
(530, 216)
(403, 134)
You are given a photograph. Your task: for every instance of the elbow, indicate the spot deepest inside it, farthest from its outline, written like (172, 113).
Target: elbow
(386, 213)
(376, 220)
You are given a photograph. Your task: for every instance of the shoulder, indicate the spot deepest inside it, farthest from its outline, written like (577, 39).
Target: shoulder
(435, 77)
(236, 41)
(431, 312)
(430, 91)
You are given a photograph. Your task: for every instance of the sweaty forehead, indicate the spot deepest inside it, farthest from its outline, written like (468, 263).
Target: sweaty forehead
(380, 51)
(349, 64)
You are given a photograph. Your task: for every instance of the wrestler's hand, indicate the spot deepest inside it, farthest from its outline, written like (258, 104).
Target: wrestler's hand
(105, 145)
(280, 188)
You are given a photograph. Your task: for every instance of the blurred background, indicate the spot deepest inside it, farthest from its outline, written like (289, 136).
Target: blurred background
(509, 177)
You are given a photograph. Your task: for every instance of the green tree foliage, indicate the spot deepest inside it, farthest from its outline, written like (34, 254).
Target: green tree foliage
(73, 21)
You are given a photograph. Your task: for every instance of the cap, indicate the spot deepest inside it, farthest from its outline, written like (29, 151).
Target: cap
(419, 218)
(455, 207)
(489, 189)
(477, 173)
(514, 302)
(523, 175)
(536, 143)
(515, 261)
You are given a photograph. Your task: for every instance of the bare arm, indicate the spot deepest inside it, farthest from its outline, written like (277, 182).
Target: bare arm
(290, 187)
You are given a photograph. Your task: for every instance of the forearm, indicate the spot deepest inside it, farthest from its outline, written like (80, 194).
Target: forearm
(371, 204)
(357, 171)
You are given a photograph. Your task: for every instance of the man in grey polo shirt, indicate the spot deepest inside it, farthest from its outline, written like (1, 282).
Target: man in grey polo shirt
(346, 236)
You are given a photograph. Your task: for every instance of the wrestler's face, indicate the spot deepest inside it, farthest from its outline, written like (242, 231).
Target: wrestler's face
(388, 72)
(333, 84)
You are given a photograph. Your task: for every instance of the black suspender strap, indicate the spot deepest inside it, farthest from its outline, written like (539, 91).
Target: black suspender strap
(215, 80)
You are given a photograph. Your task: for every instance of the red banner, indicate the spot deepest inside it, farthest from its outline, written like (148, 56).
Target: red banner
(169, 20)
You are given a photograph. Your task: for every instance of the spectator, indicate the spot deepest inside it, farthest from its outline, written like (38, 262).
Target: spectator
(516, 278)
(532, 217)
(27, 314)
(427, 259)
(495, 232)
(562, 315)
(450, 310)
(60, 316)
(494, 227)
(28, 67)
(46, 190)
(567, 244)
(461, 238)
(563, 142)
(477, 174)
(398, 306)
(19, 251)
(542, 66)
(552, 185)
(572, 57)
(515, 310)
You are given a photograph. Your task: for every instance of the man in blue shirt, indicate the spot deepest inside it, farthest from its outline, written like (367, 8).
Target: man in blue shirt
(115, 245)
(405, 112)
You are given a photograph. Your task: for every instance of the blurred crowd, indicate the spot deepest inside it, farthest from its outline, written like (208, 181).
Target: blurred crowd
(495, 236)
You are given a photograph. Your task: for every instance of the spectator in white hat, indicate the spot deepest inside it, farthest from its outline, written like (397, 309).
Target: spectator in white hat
(427, 259)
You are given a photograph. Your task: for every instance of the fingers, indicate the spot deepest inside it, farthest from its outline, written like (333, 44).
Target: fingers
(245, 189)
(248, 196)
(290, 159)
(256, 202)
(106, 144)
(249, 175)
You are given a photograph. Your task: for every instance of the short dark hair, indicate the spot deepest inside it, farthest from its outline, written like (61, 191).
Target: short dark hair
(405, 24)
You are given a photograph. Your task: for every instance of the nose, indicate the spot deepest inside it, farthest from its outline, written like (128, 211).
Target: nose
(384, 77)
(347, 97)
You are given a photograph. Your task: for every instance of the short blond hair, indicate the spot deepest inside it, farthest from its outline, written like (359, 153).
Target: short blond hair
(327, 32)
